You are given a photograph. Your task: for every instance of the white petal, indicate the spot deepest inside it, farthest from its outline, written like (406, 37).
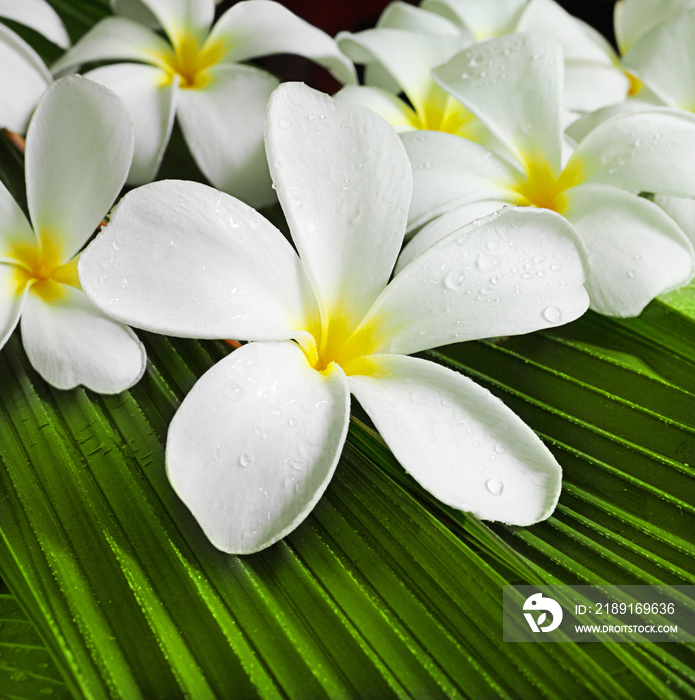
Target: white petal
(591, 86)
(641, 152)
(23, 79)
(681, 210)
(635, 250)
(483, 19)
(38, 15)
(263, 27)
(135, 10)
(633, 18)
(14, 227)
(513, 272)
(513, 84)
(443, 225)
(223, 126)
(407, 56)
(579, 41)
(69, 342)
(449, 171)
(254, 445)
(583, 126)
(79, 148)
(664, 59)
(151, 106)
(11, 302)
(391, 108)
(344, 182)
(182, 19)
(111, 39)
(459, 441)
(182, 259)
(400, 15)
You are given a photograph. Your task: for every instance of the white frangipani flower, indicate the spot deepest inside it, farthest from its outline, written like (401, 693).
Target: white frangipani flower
(593, 76)
(78, 150)
(406, 58)
(635, 250)
(198, 76)
(663, 59)
(23, 74)
(255, 443)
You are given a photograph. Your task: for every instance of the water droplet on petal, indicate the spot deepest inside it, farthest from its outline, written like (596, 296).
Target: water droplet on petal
(552, 314)
(284, 124)
(244, 460)
(291, 422)
(232, 390)
(500, 448)
(494, 486)
(630, 273)
(486, 262)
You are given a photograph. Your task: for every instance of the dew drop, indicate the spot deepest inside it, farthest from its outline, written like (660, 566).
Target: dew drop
(297, 465)
(486, 262)
(454, 279)
(500, 448)
(494, 486)
(217, 454)
(291, 422)
(244, 460)
(284, 124)
(233, 390)
(555, 268)
(552, 314)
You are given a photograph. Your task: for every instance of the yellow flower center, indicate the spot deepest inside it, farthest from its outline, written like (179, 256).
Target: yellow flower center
(191, 61)
(340, 344)
(540, 187)
(40, 267)
(441, 112)
(635, 86)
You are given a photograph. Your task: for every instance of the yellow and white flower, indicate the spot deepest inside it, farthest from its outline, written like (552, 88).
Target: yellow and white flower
(78, 150)
(255, 443)
(514, 85)
(408, 41)
(23, 74)
(198, 76)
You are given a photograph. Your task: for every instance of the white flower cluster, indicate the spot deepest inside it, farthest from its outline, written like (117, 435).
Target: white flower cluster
(477, 132)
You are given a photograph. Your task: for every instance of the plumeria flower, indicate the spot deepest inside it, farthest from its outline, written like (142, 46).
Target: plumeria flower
(255, 443)
(78, 150)
(635, 250)
(663, 58)
(593, 76)
(406, 58)
(23, 74)
(196, 75)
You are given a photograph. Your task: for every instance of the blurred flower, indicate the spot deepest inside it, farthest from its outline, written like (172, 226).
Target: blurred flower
(409, 41)
(255, 443)
(78, 151)
(197, 76)
(514, 86)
